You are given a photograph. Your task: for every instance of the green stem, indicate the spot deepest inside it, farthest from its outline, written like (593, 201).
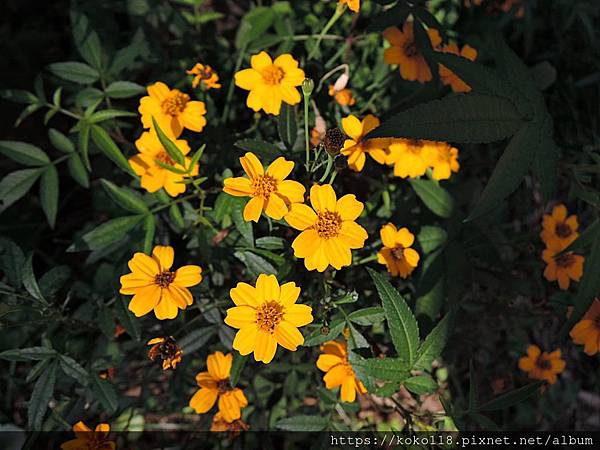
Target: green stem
(306, 136)
(328, 168)
(333, 175)
(339, 10)
(366, 260)
(231, 87)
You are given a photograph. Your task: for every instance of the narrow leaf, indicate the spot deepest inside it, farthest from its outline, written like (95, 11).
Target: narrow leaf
(168, 144)
(29, 281)
(125, 198)
(434, 343)
(435, 197)
(24, 153)
(40, 397)
(106, 144)
(105, 393)
(75, 71)
(287, 125)
(149, 231)
(49, 192)
(60, 141)
(15, 185)
(511, 398)
(73, 369)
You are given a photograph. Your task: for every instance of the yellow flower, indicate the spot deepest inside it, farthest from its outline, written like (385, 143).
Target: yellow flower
(396, 253)
(334, 361)
(443, 159)
(271, 82)
(353, 5)
(155, 286)
(329, 230)
(153, 175)
(270, 191)
(559, 230)
(563, 268)
(356, 147)
(172, 109)
(267, 315)
(410, 156)
(214, 385)
(86, 439)
(542, 366)
(587, 331)
(343, 97)
(219, 424)
(167, 350)
(205, 75)
(450, 78)
(404, 52)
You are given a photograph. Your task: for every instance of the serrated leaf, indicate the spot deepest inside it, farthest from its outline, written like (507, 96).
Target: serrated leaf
(77, 72)
(15, 185)
(24, 153)
(28, 354)
(255, 264)
(401, 321)
(40, 397)
(387, 369)
(196, 339)
(168, 144)
(124, 89)
(108, 232)
(435, 197)
(420, 384)
(124, 197)
(431, 238)
(78, 171)
(127, 319)
(49, 192)
(51, 282)
(303, 423)
(461, 118)
(105, 393)
(106, 144)
(73, 369)
(367, 316)
(317, 337)
(243, 227)
(511, 398)
(29, 281)
(287, 125)
(434, 343)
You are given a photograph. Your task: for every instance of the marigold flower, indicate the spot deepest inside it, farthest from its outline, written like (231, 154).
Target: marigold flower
(563, 268)
(329, 230)
(396, 253)
(410, 156)
(214, 385)
(542, 366)
(587, 331)
(334, 361)
(205, 75)
(153, 175)
(443, 159)
(343, 97)
(172, 109)
(353, 5)
(167, 350)
(89, 439)
(267, 315)
(357, 147)
(271, 82)
(404, 52)
(155, 286)
(450, 78)
(219, 424)
(559, 230)
(270, 191)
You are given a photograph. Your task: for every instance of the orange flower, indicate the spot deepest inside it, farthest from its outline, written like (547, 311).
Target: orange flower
(205, 75)
(86, 439)
(356, 147)
(542, 366)
(410, 156)
(587, 330)
(396, 253)
(404, 52)
(353, 5)
(563, 268)
(559, 230)
(443, 159)
(343, 97)
(450, 78)
(219, 424)
(334, 361)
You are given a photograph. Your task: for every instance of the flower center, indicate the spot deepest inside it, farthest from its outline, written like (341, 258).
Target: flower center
(565, 260)
(398, 252)
(563, 230)
(543, 363)
(264, 186)
(164, 279)
(268, 316)
(223, 386)
(164, 158)
(175, 103)
(328, 224)
(273, 74)
(410, 49)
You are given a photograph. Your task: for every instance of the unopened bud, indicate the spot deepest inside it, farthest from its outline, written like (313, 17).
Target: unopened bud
(341, 82)
(307, 86)
(334, 141)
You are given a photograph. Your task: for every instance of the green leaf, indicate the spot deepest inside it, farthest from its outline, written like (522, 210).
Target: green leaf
(49, 192)
(511, 398)
(270, 243)
(255, 264)
(287, 125)
(461, 118)
(421, 384)
(107, 233)
(434, 343)
(303, 423)
(108, 114)
(24, 153)
(127, 319)
(29, 281)
(196, 339)
(26, 113)
(18, 96)
(394, 16)
(168, 144)
(105, 393)
(15, 185)
(38, 369)
(86, 40)
(473, 389)
(13, 261)
(237, 367)
(546, 163)
(317, 337)
(149, 231)
(125, 198)
(243, 227)
(435, 197)
(431, 238)
(265, 151)
(509, 172)
(401, 322)
(60, 141)
(83, 143)
(585, 239)
(28, 354)
(175, 215)
(124, 89)
(73, 369)
(77, 170)
(106, 144)
(51, 282)
(40, 397)
(367, 316)
(253, 25)
(75, 71)
(387, 369)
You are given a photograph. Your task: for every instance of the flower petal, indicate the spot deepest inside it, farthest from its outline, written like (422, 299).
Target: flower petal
(267, 288)
(260, 61)
(247, 79)
(187, 276)
(353, 234)
(219, 365)
(288, 336)
(241, 316)
(275, 207)
(252, 166)
(253, 209)
(245, 340)
(166, 307)
(298, 315)
(145, 300)
(144, 264)
(266, 345)
(291, 191)
(244, 294)
(289, 293)
(300, 216)
(164, 254)
(203, 400)
(338, 253)
(306, 243)
(322, 198)
(388, 235)
(280, 168)
(348, 207)
(352, 127)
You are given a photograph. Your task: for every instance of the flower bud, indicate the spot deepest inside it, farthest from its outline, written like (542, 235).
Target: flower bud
(333, 141)
(307, 86)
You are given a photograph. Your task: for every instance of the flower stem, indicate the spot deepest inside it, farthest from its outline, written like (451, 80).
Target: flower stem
(306, 136)
(328, 168)
(339, 10)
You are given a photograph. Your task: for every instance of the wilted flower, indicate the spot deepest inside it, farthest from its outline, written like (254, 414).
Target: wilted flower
(542, 366)
(334, 141)
(219, 424)
(167, 350)
(204, 75)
